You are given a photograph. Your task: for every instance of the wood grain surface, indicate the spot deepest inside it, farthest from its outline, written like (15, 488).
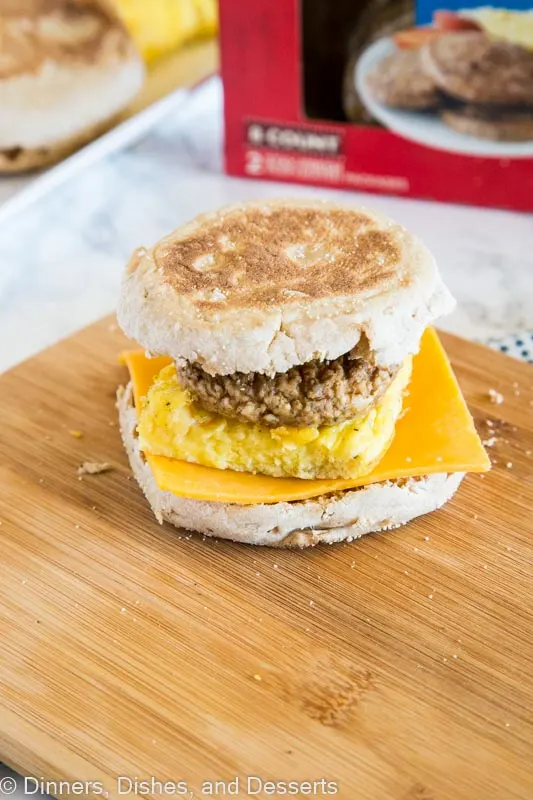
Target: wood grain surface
(398, 667)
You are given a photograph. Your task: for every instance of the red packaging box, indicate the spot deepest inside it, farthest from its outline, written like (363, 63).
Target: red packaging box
(298, 106)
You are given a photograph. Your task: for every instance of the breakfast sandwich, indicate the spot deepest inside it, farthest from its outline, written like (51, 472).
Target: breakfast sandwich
(290, 390)
(67, 68)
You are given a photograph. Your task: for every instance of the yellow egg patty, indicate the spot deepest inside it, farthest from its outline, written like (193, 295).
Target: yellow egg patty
(172, 424)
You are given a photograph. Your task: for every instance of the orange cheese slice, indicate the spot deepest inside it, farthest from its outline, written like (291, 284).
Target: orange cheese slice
(435, 434)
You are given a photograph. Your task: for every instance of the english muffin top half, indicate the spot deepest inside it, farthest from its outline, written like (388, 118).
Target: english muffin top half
(263, 287)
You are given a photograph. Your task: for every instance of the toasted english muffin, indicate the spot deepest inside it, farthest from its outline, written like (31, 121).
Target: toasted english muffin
(67, 68)
(262, 287)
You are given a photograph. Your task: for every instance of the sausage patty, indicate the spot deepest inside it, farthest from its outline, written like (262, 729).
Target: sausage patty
(472, 67)
(486, 122)
(399, 81)
(312, 394)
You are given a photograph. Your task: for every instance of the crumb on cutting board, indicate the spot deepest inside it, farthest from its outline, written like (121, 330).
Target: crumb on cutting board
(93, 468)
(76, 434)
(495, 397)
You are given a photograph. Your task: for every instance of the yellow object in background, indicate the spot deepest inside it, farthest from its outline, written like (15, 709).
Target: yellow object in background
(503, 23)
(160, 26)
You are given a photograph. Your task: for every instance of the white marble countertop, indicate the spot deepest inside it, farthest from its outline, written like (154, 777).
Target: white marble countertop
(61, 260)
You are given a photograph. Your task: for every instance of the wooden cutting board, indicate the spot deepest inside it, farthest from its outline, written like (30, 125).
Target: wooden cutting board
(398, 667)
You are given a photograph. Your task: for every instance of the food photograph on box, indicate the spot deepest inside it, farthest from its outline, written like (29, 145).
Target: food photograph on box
(398, 96)
(266, 386)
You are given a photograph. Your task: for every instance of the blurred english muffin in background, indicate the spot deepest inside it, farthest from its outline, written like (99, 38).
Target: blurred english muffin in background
(67, 68)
